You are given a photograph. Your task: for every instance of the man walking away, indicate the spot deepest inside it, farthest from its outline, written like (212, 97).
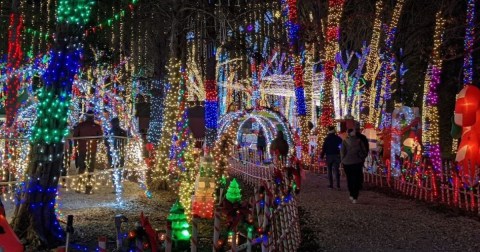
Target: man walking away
(88, 132)
(353, 153)
(279, 146)
(331, 149)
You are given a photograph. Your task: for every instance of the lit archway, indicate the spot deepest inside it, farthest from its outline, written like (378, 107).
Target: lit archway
(268, 120)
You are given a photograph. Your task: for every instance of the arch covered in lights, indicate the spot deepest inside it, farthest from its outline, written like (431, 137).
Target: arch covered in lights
(269, 121)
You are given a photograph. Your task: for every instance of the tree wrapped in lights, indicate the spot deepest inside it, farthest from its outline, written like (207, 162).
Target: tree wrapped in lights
(211, 91)
(293, 28)
(185, 158)
(373, 56)
(335, 10)
(169, 123)
(35, 218)
(223, 150)
(388, 71)
(156, 113)
(180, 226)
(15, 55)
(372, 60)
(430, 117)
(468, 43)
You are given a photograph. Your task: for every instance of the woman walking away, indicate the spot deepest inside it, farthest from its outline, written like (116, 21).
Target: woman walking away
(353, 153)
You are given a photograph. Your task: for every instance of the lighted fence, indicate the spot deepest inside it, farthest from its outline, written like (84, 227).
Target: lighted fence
(102, 161)
(418, 180)
(269, 195)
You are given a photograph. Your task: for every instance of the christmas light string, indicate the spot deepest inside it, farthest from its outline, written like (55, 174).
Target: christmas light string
(468, 44)
(293, 29)
(430, 116)
(15, 55)
(388, 65)
(335, 10)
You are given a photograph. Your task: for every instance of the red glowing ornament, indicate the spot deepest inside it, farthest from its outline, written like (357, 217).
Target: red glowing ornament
(466, 106)
(467, 116)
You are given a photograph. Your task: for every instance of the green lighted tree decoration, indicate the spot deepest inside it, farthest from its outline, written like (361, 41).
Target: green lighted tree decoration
(233, 192)
(179, 222)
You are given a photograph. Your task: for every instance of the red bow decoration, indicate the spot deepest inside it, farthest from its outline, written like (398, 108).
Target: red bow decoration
(235, 212)
(149, 230)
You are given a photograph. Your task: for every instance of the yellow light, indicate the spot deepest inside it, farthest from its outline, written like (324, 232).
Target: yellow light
(430, 115)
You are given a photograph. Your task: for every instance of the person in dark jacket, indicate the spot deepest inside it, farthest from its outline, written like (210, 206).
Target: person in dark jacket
(142, 108)
(279, 146)
(88, 133)
(331, 149)
(116, 143)
(261, 145)
(364, 140)
(117, 136)
(361, 136)
(353, 154)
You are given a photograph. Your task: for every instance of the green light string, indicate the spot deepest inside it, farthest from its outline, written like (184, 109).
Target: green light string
(51, 129)
(106, 22)
(76, 13)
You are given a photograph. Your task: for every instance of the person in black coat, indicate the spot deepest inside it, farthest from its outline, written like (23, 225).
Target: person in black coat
(117, 137)
(331, 149)
(261, 145)
(279, 146)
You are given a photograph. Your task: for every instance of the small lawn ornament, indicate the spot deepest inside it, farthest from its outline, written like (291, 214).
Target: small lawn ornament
(203, 200)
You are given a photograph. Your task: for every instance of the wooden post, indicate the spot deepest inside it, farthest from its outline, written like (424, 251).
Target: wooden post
(478, 200)
(194, 238)
(216, 228)
(234, 240)
(249, 239)
(168, 237)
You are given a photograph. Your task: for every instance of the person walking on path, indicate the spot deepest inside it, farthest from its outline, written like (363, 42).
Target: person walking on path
(88, 131)
(117, 136)
(361, 136)
(353, 154)
(279, 147)
(261, 145)
(365, 142)
(331, 149)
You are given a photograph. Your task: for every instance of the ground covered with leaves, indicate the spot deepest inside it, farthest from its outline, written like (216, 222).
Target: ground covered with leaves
(94, 214)
(378, 222)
